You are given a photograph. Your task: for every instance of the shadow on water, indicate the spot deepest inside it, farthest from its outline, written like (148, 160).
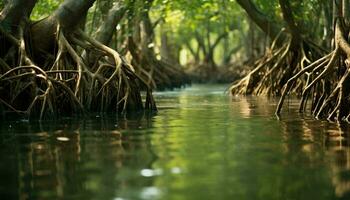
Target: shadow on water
(72, 159)
(338, 149)
(320, 143)
(309, 145)
(201, 145)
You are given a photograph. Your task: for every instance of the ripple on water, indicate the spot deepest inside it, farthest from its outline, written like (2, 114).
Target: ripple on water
(200, 145)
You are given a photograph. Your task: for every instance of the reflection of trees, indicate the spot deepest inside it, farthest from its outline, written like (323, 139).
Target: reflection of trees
(338, 149)
(315, 136)
(71, 158)
(313, 150)
(198, 151)
(300, 138)
(254, 106)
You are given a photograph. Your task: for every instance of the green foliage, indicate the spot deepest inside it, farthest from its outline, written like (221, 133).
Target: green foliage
(307, 15)
(186, 20)
(44, 8)
(269, 8)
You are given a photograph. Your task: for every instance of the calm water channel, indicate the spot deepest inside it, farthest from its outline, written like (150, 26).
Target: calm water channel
(202, 144)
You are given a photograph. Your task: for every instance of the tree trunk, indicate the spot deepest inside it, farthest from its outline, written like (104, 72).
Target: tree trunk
(14, 13)
(70, 13)
(13, 21)
(228, 56)
(55, 78)
(250, 40)
(292, 26)
(269, 27)
(147, 31)
(346, 11)
(194, 53)
(209, 57)
(201, 43)
(328, 26)
(105, 32)
(330, 83)
(169, 51)
(68, 16)
(209, 61)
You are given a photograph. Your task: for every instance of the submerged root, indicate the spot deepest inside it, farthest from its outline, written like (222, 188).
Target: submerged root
(68, 84)
(329, 83)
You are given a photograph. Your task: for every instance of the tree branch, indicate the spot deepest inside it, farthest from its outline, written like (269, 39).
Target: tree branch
(201, 42)
(217, 41)
(266, 25)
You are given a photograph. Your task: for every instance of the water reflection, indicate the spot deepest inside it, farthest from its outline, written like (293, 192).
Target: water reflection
(72, 159)
(323, 141)
(201, 145)
(338, 149)
(316, 142)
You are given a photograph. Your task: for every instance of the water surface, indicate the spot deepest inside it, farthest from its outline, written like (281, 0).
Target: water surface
(202, 144)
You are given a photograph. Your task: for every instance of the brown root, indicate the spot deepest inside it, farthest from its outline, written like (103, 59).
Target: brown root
(157, 73)
(329, 82)
(69, 84)
(272, 71)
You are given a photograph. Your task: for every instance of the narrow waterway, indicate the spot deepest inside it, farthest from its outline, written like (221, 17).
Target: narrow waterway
(202, 144)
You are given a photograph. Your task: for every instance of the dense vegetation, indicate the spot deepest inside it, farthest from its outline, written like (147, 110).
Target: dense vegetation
(73, 56)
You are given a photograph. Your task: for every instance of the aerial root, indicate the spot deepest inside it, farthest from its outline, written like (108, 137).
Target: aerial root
(69, 84)
(314, 67)
(273, 70)
(156, 73)
(327, 85)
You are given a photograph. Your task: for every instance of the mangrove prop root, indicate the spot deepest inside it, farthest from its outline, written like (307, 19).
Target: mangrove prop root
(328, 86)
(156, 73)
(69, 84)
(272, 70)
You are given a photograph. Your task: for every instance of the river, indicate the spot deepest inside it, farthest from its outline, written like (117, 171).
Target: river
(202, 144)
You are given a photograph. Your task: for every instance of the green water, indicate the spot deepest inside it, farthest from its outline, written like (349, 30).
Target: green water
(201, 145)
